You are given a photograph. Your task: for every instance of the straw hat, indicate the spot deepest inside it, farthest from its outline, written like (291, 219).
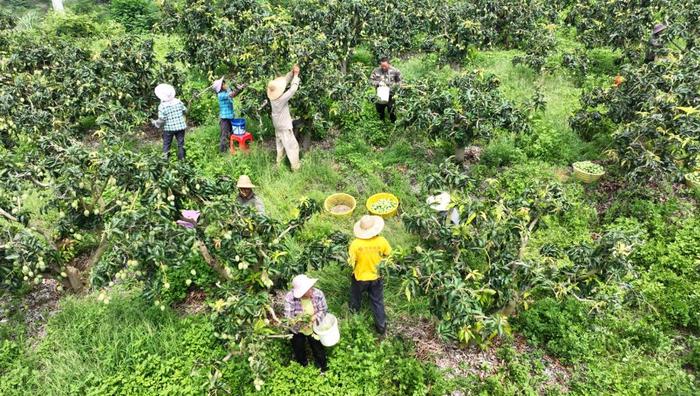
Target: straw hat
(165, 92)
(439, 202)
(275, 88)
(368, 227)
(244, 182)
(216, 86)
(301, 284)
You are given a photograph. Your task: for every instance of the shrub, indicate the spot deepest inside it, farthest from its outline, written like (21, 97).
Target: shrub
(563, 328)
(135, 15)
(502, 152)
(71, 25)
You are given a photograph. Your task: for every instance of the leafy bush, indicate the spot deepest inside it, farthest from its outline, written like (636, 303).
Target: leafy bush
(562, 327)
(501, 151)
(357, 366)
(135, 15)
(71, 25)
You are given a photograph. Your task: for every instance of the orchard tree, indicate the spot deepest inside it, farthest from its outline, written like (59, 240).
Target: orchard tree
(467, 107)
(479, 273)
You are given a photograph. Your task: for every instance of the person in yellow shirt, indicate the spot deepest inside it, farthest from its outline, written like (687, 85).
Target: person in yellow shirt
(365, 254)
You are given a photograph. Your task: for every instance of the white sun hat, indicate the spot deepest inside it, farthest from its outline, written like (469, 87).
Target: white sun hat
(275, 88)
(301, 284)
(440, 202)
(368, 227)
(216, 86)
(165, 92)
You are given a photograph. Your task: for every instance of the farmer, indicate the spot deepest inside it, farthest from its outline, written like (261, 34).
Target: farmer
(282, 119)
(246, 196)
(655, 45)
(226, 114)
(386, 76)
(441, 204)
(305, 306)
(171, 117)
(365, 254)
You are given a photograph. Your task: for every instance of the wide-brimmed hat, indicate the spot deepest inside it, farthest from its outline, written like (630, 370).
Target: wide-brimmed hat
(244, 182)
(659, 27)
(368, 227)
(216, 85)
(440, 202)
(165, 92)
(301, 284)
(275, 88)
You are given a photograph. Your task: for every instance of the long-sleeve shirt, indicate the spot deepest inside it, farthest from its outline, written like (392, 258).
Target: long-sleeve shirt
(226, 105)
(253, 201)
(365, 255)
(281, 118)
(391, 77)
(294, 308)
(173, 115)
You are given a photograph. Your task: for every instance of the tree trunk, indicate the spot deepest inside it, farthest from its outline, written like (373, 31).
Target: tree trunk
(74, 278)
(97, 255)
(212, 262)
(306, 141)
(459, 154)
(58, 6)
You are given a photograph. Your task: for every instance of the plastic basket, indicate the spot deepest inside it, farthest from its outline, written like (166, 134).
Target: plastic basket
(383, 195)
(238, 126)
(585, 176)
(340, 199)
(691, 183)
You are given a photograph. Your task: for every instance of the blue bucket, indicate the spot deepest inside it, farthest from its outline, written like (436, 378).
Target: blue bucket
(238, 126)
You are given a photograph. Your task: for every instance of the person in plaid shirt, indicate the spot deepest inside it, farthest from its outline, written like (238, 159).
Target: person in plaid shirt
(304, 306)
(171, 116)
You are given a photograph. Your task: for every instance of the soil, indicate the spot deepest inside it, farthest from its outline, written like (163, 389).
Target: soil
(460, 362)
(195, 303)
(41, 304)
(340, 209)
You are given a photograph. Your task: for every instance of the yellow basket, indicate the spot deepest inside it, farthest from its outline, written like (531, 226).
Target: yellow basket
(585, 176)
(376, 197)
(340, 199)
(691, 183)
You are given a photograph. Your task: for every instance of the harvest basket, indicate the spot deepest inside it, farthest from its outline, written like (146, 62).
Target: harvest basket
(690, 182)
(340, 199)
(584, 176)
(376, 198)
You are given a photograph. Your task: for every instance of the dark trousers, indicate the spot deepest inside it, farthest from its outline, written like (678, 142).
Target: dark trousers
(226, 129)
(388, 107)
(317, 349)
(375, 290)
(168, 139)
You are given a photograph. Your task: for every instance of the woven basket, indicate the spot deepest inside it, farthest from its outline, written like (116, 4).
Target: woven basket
(691, 183)
(340, 199)
(585, 176)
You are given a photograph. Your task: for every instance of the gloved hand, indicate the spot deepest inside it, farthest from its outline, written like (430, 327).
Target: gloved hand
(158, 123)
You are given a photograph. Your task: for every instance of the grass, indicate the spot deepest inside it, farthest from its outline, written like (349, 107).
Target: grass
(92, 347)
(552, 138)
